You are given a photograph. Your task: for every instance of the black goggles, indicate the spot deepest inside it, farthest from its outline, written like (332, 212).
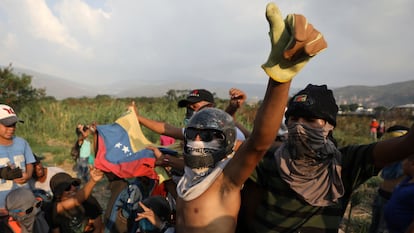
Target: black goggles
(29, 210)
(205, 135)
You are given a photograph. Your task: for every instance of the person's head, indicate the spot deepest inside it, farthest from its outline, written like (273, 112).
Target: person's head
(23, 207)
(8, 121)
(408, 166)
(63, 185)
(160, 206)
(196, 100)
(315, 105)
(209, 137)
(39, 170)
(80, 128)
(311, 118)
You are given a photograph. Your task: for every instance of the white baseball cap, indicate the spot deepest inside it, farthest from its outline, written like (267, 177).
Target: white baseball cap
(8, 116)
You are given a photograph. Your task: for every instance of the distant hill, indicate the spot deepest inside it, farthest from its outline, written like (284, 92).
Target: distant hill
(369, 96)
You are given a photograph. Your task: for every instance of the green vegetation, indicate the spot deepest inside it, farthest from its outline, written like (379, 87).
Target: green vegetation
(17, 90)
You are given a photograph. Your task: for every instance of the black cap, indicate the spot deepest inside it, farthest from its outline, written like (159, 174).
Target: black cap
(61, 181)
(314, 102)
(195, 96)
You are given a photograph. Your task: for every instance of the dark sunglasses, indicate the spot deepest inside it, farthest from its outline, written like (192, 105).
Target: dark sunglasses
(74, 183)
(205, 135)
(29, 210)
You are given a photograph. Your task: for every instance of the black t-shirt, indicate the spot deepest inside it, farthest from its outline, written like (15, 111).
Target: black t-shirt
(75, 220)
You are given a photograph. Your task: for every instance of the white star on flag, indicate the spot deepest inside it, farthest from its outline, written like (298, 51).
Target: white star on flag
(125, 149)
(118, 145)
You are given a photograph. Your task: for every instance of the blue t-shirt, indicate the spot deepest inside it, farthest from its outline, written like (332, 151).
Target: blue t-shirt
(392, 171)
(399, 211)
(18, 154)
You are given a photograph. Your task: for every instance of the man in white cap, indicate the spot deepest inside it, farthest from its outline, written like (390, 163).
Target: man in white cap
(195, 101)
(16, 158)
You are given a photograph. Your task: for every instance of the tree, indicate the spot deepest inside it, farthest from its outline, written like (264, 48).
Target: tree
(171, 94)
(17, 90)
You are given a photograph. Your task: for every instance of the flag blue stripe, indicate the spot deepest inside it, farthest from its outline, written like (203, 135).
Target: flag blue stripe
(118, 147)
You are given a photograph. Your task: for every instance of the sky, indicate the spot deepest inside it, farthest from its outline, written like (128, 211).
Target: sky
(89, 41)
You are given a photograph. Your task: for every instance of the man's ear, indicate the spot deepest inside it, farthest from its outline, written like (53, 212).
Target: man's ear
(208, 105)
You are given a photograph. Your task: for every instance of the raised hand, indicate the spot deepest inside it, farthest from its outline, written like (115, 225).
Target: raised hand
(237, 97)
(95, 174)
(294, 42)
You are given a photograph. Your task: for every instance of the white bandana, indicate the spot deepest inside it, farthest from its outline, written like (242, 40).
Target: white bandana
(192, 185)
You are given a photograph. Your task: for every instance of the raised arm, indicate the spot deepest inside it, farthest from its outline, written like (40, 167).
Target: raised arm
(266, 125)
(294, 42)
(237, 99)
(82, 194)
(159, 126)
(394, 149)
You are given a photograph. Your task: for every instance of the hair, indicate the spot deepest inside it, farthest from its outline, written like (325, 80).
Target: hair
(78, 132)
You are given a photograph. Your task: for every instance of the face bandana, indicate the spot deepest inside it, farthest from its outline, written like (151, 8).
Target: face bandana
(202, 156)
(311, 164)
(307, 142)
(27, 221)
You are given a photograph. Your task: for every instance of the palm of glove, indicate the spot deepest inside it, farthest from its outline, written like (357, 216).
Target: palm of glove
(294, 42)
(9, 173)
(279, 37)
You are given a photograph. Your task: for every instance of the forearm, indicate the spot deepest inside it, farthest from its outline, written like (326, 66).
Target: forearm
(394, 149)
(270, 114)
(156, 126)
(29, 170)
(231, 110)
(161, 127)
(77, 200)
(83, 193)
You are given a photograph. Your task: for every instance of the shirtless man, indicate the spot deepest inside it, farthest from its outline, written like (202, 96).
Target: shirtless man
(209, 192)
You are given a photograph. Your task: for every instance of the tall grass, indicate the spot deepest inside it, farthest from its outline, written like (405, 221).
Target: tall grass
(50, 125)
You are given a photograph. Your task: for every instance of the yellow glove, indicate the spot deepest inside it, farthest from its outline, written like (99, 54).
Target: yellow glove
(279, 38)
(294, 42)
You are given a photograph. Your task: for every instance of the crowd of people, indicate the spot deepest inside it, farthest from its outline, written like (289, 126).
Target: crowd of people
(226, 178)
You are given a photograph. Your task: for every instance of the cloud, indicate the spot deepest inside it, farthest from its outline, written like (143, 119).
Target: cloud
(104, 41)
